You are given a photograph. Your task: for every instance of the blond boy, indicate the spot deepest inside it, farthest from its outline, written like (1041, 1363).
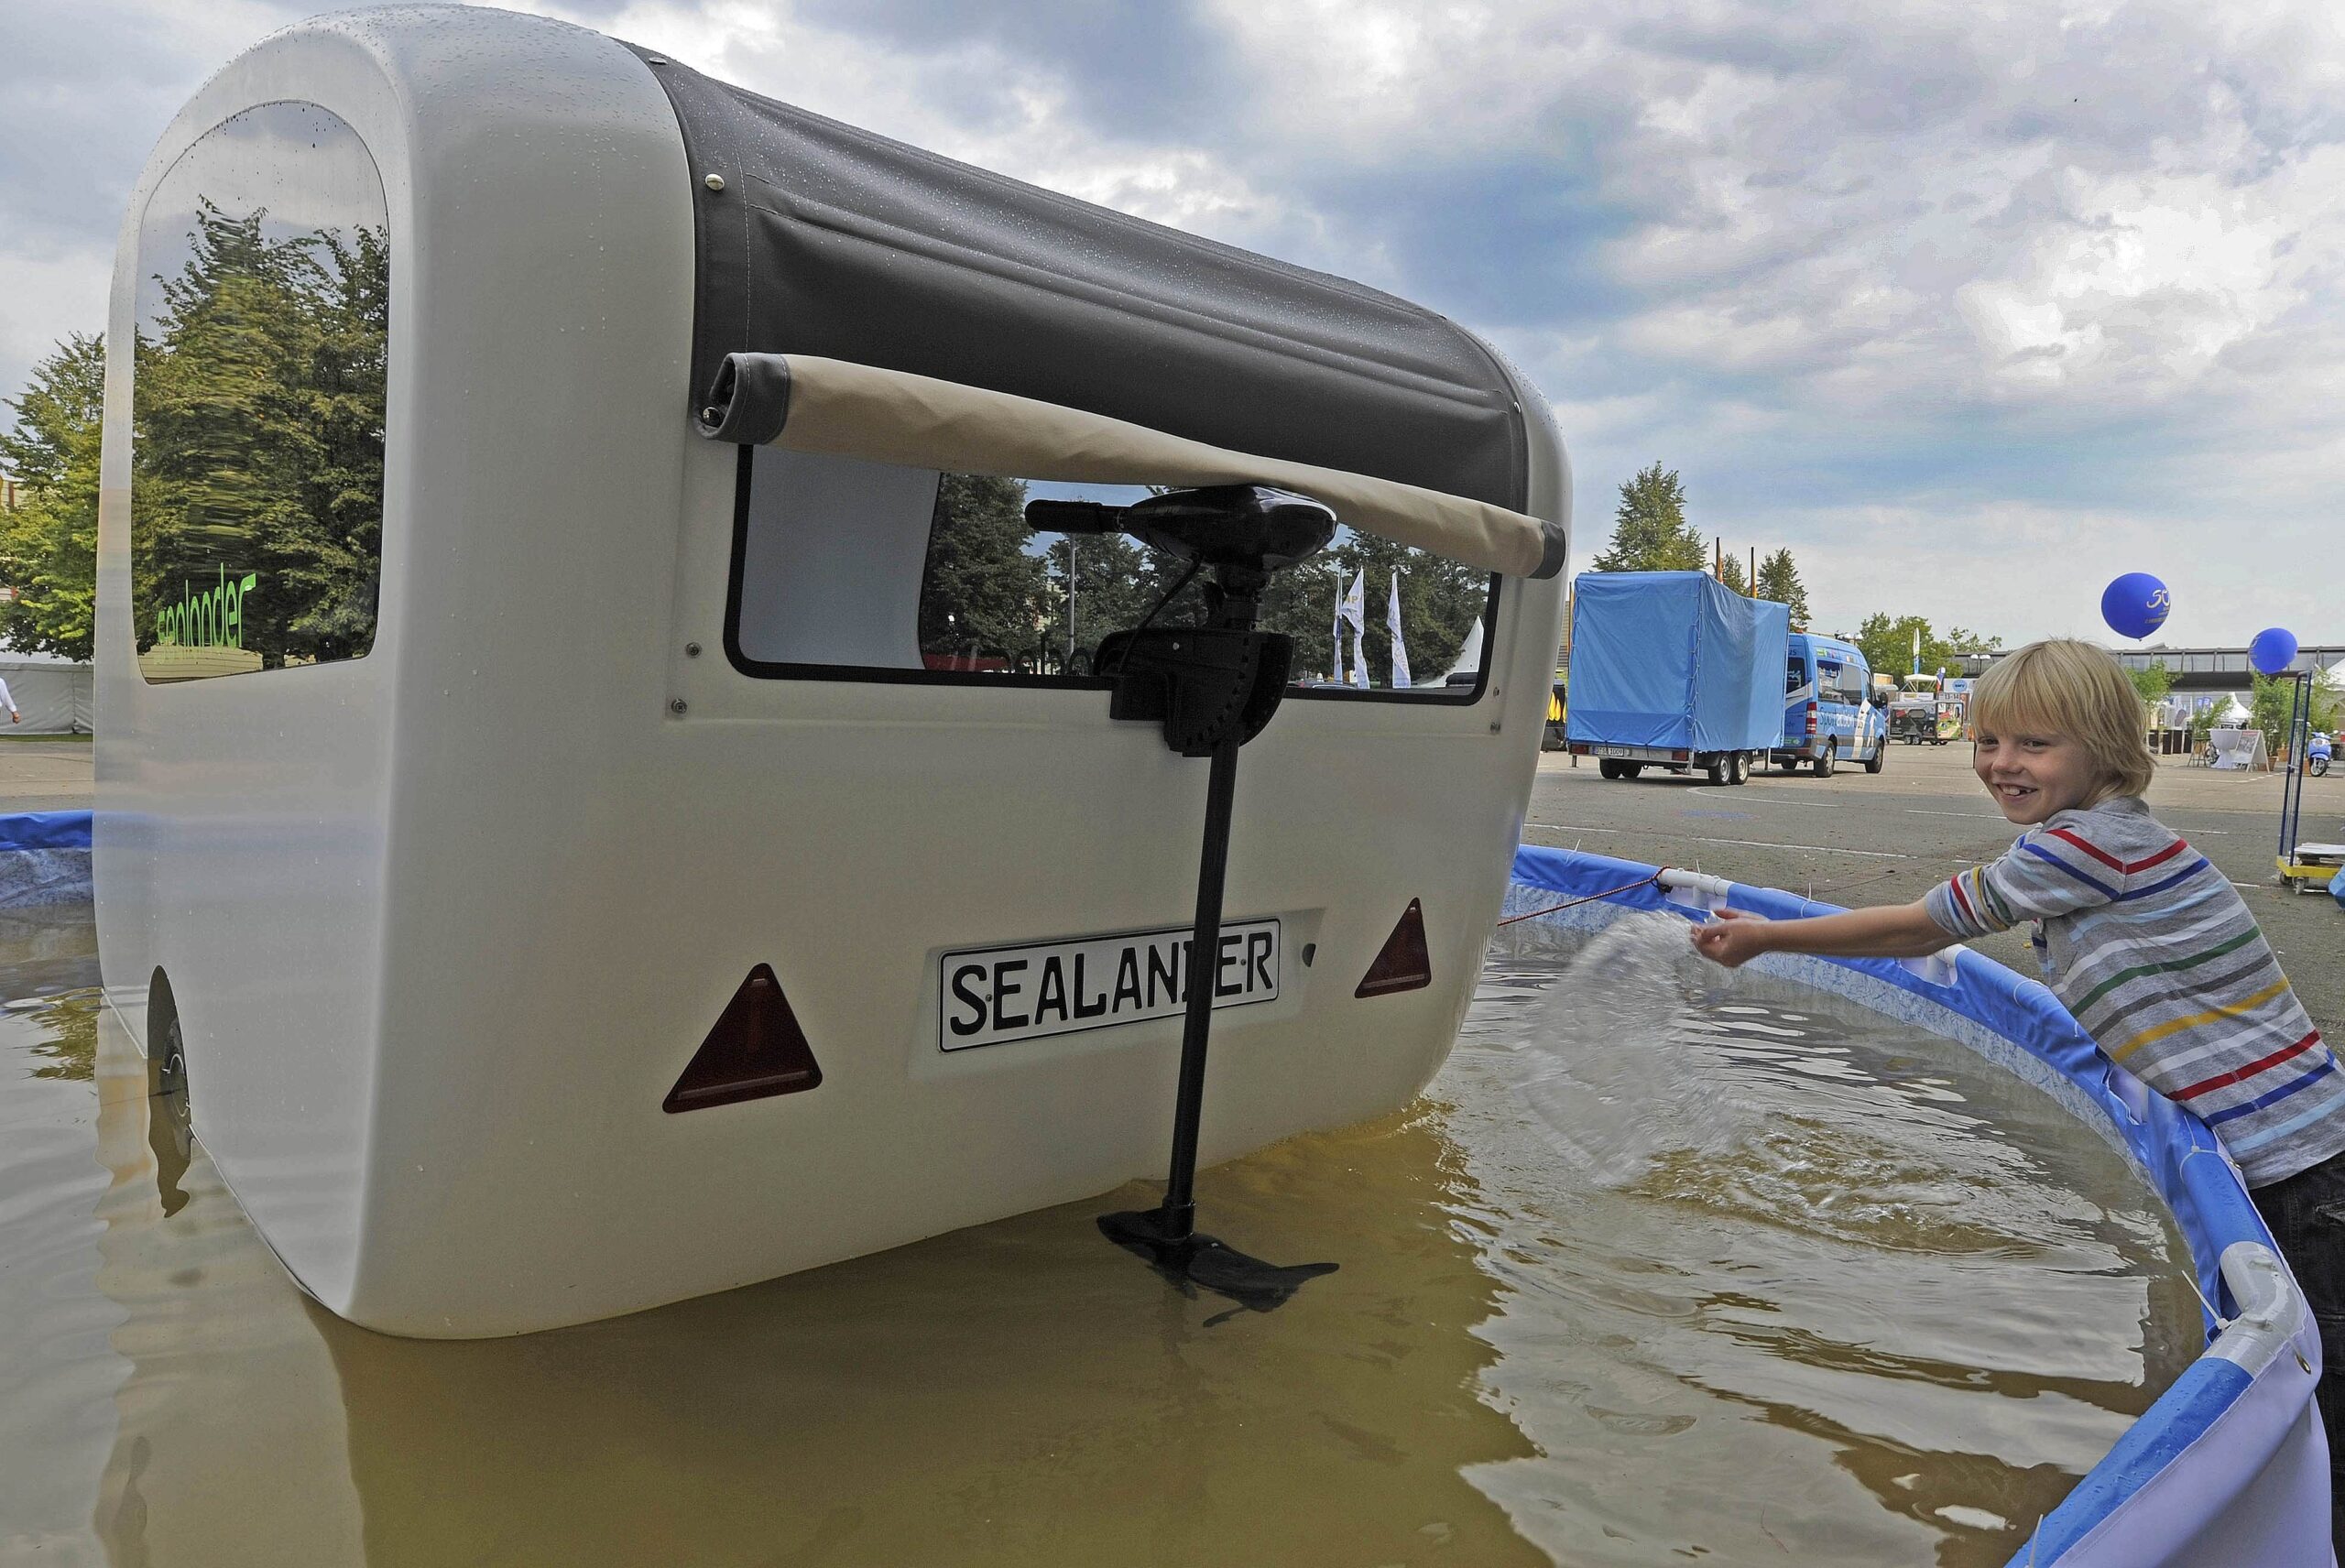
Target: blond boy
(2144, 940)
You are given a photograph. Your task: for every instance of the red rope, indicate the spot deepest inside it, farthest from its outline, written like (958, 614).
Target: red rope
(1592, 898)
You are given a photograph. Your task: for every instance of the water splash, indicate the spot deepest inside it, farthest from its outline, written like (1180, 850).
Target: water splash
(1614, 1066)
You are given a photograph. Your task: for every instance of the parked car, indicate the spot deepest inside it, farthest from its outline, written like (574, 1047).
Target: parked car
(1828, 718)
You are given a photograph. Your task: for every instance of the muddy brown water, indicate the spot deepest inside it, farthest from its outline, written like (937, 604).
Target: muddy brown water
(1665, 1266)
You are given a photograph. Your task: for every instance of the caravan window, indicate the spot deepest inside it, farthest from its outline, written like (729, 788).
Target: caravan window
(846, 569)
(257, 465)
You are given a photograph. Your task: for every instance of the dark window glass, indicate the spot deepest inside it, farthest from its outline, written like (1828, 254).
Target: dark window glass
(1794, 674)
(257, 479)
(862, 569)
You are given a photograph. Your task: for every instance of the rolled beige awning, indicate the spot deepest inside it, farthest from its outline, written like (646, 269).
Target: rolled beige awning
(829, 406)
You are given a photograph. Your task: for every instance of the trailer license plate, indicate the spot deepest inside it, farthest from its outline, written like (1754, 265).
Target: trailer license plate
(1615, 751)
(989, 996)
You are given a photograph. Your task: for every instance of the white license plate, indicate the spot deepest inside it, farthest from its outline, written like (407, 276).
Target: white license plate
(1616, 751)
(989, 996)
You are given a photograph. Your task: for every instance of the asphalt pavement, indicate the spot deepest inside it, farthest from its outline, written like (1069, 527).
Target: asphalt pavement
(50, 774)
(1859, 838)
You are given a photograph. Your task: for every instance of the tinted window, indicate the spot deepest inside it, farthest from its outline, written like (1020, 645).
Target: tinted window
(1840, 682)
(849, 568)
(256, 483)
(1794, 674)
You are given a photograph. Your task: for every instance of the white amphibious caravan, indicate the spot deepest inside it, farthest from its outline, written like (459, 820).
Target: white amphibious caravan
(605, 792)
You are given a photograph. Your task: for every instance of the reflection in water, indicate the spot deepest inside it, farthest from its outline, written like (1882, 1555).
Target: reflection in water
(230, 1433)
(1847, 1305)
(1829, 1293)
(259, 407)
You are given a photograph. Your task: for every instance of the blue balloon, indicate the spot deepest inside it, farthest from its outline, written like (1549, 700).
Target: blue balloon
(2136, 605)
(2273, 649)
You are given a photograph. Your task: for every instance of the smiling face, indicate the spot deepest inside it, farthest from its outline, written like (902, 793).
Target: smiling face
(2033, 773)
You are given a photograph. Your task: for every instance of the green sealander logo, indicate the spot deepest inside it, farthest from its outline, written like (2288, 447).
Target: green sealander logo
(213, 618)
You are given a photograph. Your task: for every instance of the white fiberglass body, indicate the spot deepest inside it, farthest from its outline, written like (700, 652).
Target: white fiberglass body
(442, 913)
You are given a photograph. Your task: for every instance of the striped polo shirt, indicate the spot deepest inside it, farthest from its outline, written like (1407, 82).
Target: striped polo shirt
(2154, 953)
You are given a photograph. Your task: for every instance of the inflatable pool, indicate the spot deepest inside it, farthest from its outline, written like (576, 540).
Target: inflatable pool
(2230, 1466)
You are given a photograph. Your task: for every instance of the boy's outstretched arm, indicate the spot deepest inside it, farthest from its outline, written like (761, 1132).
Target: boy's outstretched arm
(1887, 931)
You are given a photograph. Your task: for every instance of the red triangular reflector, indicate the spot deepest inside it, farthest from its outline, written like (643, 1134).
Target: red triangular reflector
(756, 1049)
(1404, 965)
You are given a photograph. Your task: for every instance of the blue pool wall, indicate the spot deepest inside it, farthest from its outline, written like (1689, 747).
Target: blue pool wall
(44, 858)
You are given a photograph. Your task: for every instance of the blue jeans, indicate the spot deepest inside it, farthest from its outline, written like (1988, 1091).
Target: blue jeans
(2306, 1213)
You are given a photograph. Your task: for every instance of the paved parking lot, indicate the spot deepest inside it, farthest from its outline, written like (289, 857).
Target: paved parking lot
(1860, 838)
(44, 775)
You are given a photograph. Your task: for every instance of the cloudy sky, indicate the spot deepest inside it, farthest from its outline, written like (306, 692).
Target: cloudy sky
(1972, 305)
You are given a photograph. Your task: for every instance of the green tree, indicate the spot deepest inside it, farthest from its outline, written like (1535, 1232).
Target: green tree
(1301, 602)
(2201, 721)
(1779, 580)
(1962, 639)
(1730, 572)
(260, 415)
(1888, 644)
(2151, 682)
(983, 594)
(2268, 708)
(2273, 699)
(1113, 590)
(48, 545)
(1650, 532)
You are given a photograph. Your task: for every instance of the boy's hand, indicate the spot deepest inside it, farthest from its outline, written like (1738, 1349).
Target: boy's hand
(1732, 938)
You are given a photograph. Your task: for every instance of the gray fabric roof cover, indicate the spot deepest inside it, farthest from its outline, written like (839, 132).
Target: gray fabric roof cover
(830, 241)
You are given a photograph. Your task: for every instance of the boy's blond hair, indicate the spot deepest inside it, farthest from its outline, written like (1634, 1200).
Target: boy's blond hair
(2076, 691)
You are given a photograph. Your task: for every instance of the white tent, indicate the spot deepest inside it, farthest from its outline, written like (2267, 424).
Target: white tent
(52, 694)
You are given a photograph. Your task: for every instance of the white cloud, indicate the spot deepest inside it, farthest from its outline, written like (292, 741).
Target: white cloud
(2021, 570)
(2066, 278)
(48, 295)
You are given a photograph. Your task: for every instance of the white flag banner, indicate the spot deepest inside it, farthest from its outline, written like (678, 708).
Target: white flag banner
(1356, 612)
(1400, 646)
(1470, 657)
(1336, 635)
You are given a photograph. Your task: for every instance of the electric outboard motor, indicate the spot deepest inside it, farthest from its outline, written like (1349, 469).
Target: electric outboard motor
(1202, 682)
(1213, 687)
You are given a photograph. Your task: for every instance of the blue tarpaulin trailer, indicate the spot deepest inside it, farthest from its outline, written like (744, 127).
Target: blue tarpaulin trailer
(1673, 668)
